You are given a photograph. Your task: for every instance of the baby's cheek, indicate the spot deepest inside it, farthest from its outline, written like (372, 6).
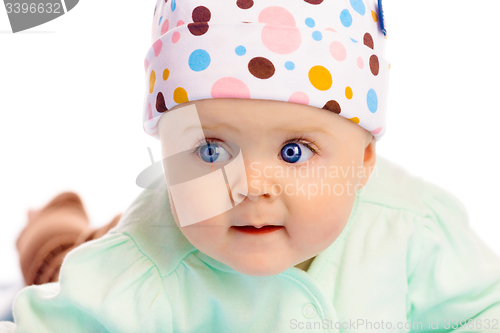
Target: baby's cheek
(317, 222)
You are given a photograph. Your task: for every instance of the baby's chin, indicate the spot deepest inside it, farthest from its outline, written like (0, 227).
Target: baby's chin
(259, 268)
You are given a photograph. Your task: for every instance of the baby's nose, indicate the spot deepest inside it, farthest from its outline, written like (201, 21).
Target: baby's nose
(255, 191)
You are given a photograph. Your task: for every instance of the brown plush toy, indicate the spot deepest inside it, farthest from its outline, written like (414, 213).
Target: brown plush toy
(51, 232)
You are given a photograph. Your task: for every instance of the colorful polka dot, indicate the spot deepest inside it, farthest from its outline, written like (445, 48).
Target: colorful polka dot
(157, 47)
(333, 106)
(180, 96)
(354, 120)
(377, 130)
(346, 18)
(374, 65)
(146, 64)
(150, 112)
(348, 92)
(276, 16)
(201, 14)
(314, 2)
(261, 68)
(173, 5)
(281, 40)
(180, 22)
(289, 65)
(320, 78)
(230, 87)
(361, 63)
(338, 51)
(358, 6)
(316, 35)
(310, 22)
(160, 103)
(279, 35)
(368, 40)
(374, 16)
(152, 80)
(175, 37)
(159, 22)
(198, 29)
(166, 74)
(240, 50)
(372, 101)
(199, 60)
(299, 97)
(164, 27)
(353, 40)
(244, 4)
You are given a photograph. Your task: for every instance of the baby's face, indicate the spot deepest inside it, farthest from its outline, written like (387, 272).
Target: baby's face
(307, 186)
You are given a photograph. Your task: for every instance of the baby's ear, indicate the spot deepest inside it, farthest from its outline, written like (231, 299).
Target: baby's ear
(369, 157)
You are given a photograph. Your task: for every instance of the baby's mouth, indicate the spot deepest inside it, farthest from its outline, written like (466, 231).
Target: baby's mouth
(258, 230)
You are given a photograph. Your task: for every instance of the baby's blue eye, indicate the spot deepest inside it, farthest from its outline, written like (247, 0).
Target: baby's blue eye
(211, 152)
(292, 153)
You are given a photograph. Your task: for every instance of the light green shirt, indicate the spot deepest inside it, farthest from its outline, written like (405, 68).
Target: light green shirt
(406, 256)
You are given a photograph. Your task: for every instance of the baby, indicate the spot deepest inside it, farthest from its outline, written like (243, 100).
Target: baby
(273, 212)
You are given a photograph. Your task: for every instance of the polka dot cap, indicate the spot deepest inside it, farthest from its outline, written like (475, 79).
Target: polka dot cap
(327, 54)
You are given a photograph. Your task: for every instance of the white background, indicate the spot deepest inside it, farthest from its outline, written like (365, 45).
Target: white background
(71, 94)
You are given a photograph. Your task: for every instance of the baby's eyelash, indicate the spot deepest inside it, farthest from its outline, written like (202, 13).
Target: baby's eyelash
(300, 139)
(308, 143)
(202, 143)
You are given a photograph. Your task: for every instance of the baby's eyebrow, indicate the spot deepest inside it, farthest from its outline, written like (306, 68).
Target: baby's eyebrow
(281, 129)
(302, 130)
(215, 127)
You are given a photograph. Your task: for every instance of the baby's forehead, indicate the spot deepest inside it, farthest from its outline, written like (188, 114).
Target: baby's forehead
(279, 115)
(246, 120)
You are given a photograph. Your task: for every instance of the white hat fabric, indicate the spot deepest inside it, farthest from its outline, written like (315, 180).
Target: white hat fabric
(324, 53)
